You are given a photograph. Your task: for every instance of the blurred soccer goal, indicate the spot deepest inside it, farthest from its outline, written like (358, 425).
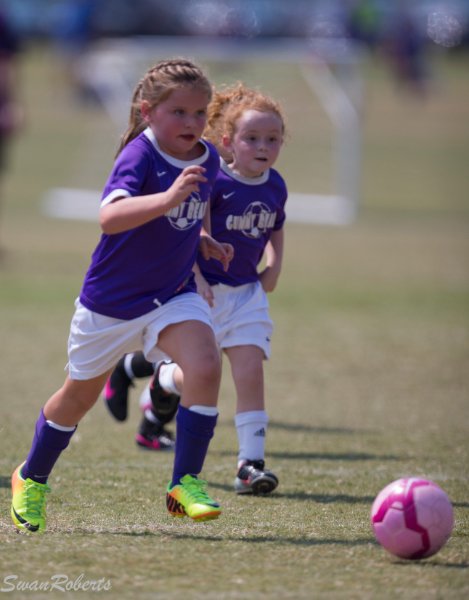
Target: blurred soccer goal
(330, 67)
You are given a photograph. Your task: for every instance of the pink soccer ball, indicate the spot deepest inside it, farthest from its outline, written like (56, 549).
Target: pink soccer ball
(412, 518)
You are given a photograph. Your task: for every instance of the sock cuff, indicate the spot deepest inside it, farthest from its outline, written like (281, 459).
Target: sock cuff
(43, 421)
(208, 411)
(194, 425)
(252, 416)
(63, 428)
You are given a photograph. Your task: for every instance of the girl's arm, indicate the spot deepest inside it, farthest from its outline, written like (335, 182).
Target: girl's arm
(203, 286)
(207, 223)
(210, 248)
(127, 213)
(274, 256)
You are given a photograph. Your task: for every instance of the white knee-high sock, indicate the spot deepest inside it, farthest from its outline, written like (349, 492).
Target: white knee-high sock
(251, 427)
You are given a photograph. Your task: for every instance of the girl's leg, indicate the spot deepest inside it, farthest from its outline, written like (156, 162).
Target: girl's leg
(192, 345)
(159, 402)
(136, 366)
(54, 428)
(74, 399)
(247, 369)
(57, 423)
(251, 420)
(116, 391)
(171, 378)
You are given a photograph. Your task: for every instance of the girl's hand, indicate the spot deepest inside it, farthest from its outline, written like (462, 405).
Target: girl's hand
(126, 213)
(210, 248)
(203, 288)
(185, 184)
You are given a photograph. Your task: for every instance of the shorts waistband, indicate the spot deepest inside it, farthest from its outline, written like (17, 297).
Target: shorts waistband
(223, 288)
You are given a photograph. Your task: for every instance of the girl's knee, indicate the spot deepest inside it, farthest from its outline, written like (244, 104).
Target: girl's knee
(206, 367)
(211, 366)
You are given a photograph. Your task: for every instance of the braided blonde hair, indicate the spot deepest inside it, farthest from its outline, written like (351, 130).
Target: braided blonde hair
(156, 85)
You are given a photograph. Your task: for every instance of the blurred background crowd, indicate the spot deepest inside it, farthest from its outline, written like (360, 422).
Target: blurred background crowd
(369, 21)
(399, 31)
(372, 22)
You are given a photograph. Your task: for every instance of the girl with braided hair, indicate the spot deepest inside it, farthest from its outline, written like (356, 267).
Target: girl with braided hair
(248, 212)
(139, 291)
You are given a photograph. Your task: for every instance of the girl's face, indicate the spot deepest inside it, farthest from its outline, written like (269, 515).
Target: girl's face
(256, 142)
(178, 121)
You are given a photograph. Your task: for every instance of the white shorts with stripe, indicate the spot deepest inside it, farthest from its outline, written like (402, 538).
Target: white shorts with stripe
(240, 316)
(97, 342)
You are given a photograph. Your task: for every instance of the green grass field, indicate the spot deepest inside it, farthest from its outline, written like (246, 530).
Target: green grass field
(369, 379)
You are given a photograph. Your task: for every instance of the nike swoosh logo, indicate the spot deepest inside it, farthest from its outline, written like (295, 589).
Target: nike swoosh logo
(25, 523)
(161, 173)
(226, 196)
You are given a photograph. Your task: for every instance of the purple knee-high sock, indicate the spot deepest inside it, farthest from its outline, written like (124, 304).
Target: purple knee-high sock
(193, 434)
(48, 444)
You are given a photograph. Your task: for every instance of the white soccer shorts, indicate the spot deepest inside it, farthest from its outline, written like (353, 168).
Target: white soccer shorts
(97, 342)
(240, 316)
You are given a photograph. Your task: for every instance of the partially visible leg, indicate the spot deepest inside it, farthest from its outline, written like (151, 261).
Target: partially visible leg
(192, 346)
(164, 392)
(159, 405)
(116, 391)
(251, 420)
(171, 378)
(56, 424)
(137, 366)
(247, 369)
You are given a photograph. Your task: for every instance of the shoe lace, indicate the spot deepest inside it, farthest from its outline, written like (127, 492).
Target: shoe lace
(195, 488)
(35, 495)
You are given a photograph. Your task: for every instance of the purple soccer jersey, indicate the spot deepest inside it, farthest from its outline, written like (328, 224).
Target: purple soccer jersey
(244, 212)
(134, 271)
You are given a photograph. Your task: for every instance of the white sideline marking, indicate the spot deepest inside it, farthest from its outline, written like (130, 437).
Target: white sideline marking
(83, 205)
(71, 203)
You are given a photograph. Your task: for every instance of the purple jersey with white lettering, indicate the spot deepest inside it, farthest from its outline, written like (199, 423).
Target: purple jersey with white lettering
(134, 271)
(244, 212)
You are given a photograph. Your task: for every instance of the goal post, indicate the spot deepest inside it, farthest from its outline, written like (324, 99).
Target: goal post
(331, 69)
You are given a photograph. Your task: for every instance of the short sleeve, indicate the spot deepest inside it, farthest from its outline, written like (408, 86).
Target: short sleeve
(129, 174)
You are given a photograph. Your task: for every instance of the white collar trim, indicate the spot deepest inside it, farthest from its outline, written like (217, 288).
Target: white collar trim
(176, 162)
(247, 180)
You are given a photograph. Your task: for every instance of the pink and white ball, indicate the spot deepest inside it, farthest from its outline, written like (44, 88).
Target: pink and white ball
(412, 518)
